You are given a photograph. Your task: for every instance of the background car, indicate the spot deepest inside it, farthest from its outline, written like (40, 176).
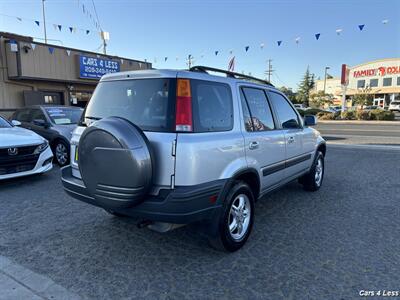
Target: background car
(394, 106)
(22, 152)
(373, 107)
(54, 123)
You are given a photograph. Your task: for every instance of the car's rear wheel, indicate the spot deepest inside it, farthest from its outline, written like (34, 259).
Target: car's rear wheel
(61, 152)
(236, 219)
(312, 181)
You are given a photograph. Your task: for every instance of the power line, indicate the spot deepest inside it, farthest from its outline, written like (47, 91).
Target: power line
(97, 16)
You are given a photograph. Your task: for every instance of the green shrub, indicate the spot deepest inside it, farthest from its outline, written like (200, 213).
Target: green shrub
(379, 114)
(349, 115)
(363, 115)
(324, 115)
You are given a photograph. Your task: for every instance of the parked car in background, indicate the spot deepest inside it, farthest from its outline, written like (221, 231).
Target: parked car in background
(22, 152)
(334, 109)
(373, 107)
(299, 106)
(394, 106)
(177, 147)
(54, 123)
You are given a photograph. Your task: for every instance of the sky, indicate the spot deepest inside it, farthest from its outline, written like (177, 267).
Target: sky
(155, 29)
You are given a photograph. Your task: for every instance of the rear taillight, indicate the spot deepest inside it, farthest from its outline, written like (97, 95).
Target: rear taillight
(183, 117)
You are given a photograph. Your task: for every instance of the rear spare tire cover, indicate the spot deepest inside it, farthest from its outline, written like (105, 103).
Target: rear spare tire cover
(115, 162)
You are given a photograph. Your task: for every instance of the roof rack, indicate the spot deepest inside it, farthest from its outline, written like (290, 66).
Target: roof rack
(230, 74)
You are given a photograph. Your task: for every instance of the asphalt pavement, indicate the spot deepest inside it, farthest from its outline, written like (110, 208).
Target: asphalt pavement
(330, 244)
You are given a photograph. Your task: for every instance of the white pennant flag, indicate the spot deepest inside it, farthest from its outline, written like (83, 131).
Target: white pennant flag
(68, 52)
(262, 45)
(339, 31)
(297, 40)
(33, 46)
(385, 22)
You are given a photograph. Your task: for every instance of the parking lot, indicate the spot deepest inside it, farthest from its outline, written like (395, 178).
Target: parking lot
(325, 245)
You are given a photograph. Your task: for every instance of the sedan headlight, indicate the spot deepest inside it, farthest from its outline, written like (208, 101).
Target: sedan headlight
(41, 147)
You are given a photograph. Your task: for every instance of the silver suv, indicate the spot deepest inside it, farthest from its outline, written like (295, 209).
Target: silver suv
(173, 147)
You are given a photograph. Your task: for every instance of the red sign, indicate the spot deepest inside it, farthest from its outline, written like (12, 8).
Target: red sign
(381, 71)
(345, 75)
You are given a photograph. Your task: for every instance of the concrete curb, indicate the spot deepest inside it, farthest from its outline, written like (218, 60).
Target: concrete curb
(17, 282)
(365, 147)
(358, 122)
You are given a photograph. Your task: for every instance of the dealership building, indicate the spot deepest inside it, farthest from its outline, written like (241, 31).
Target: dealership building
(37, 73)
(381, 77)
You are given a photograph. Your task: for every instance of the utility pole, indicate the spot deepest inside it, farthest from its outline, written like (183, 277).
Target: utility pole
(326, 69)
(105, 36)
(190, 61)
(269, 71)
(44, 23)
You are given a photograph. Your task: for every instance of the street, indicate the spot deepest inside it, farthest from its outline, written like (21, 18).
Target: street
(330, 244)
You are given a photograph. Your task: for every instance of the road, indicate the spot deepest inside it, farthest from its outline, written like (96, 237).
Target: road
(324, 245)
(363, 134)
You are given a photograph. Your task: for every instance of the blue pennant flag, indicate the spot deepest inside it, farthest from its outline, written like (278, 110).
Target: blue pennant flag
(317, 35)
(247, 48)
(51, 50)
(87, 31)
(37, 23)
(71, 29)
(59, 27)
(165, 58)
(361, 27)
(279, 43)
(216, 52)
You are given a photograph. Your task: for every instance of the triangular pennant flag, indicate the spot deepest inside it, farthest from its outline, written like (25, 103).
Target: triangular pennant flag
(361, 27)
(37, 23)
(216, 52)
(339, 31)
(385, 22)
(51, 50)
(19, 19)
(87, 31)
(246, 48)
(59, 27)
(279, 43)
(33, 46)
(165, 58)
(262, 45)
(297, 40)
(68, 52)
(71, 29)
(317, 35)
(230, 51)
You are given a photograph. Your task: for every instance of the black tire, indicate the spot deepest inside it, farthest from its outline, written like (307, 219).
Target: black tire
(311, 182)
(223, 239)
(61, 152)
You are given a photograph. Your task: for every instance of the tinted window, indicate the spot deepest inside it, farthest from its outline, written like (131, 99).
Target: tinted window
(23, 115)
(373, 83)
(148, 103)
(4, 123)
(212, 106)
(387, 81)
(248, 124)
(63, 115)
(260, 111)
(286, 114)
(37, 114)
(360, 83)
(398, 80)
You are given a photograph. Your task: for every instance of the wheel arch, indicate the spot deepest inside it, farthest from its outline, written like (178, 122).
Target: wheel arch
(322, 148)
(249, 176)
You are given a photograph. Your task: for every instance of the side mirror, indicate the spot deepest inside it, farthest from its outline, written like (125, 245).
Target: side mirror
(16, 123)
(310, 120)
(40, 122)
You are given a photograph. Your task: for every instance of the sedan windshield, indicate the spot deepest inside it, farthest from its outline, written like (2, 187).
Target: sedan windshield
(64, 116)
(4, 123)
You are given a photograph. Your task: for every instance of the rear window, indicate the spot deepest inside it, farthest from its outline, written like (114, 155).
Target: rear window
(148, 103)
(212, 106)
(64, 116)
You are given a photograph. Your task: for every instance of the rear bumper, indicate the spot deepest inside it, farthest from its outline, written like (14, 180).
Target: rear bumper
(182, 205)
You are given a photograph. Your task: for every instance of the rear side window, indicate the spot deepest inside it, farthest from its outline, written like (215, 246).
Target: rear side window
(148, 103)
(212, 106)
(288, 118)
(23, 115)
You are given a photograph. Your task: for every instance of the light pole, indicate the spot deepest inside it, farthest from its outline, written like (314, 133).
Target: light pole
(44, 23)
(326, 69)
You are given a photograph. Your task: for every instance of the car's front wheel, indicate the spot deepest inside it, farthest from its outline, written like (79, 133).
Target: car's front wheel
(312, 181)
(61, 152)
(236, 219)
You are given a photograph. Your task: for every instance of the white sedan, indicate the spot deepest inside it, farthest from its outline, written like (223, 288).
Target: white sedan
(22, 152)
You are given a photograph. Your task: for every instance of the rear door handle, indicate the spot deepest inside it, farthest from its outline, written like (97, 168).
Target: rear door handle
(290, 140)
(254, 145)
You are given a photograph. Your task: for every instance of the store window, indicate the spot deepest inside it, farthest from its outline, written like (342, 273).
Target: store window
(80, 98)
(387, 81)
(48, 99)
(398, 80)
(373, 83)
(360, 84)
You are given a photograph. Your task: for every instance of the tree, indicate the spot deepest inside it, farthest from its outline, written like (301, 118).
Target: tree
(305, 86)
(320, 99)
(363, 97)
(289, 93)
